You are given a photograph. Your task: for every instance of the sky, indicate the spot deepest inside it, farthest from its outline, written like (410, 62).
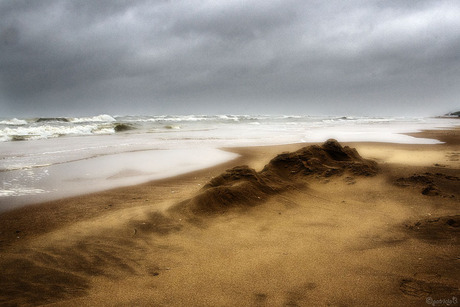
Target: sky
(309, 57)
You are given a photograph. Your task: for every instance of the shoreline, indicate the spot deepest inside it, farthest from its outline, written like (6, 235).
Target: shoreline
(441, 135)
(256, 156)
(103, 172)
(344, 238)
(67, 165)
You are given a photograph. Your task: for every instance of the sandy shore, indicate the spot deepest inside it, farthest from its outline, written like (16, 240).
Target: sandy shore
(334, 230)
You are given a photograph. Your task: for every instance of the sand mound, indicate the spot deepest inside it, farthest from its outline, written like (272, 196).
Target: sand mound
(239, 186)
(325, 160)
(413, 287)
(430, 184)
(242, 186)
(414, 179)
(445, 229)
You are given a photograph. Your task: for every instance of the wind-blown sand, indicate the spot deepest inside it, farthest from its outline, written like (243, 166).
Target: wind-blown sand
(324, 226)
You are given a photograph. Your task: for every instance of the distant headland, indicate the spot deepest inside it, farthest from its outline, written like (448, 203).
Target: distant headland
(453, 114)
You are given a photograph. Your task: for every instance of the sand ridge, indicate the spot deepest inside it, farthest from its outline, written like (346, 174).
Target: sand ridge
(335, 238)
(244, 186)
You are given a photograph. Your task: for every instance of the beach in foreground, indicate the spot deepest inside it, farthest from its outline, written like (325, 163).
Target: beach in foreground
(319, 227)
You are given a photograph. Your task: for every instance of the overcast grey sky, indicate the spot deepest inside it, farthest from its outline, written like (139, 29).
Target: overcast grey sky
(355, 57)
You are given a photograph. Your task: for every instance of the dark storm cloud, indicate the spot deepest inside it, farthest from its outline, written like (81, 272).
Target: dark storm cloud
(229, 56)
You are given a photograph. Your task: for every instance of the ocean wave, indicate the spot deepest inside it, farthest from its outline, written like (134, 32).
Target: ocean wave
(357, 120)
(172, 127)
(203, 118)
(229, 117)
(13, 122)
(52, 119)
(291, 116)
(189, 118)
(32, 129)
(169, 118)
(185, 118)
(22, 133)
(121, 127)
(98, 118)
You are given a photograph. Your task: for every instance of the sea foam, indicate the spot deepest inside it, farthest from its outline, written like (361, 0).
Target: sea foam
(98, 118)
(13, 122)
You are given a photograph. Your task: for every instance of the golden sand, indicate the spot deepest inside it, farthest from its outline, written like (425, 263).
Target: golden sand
(287, 236)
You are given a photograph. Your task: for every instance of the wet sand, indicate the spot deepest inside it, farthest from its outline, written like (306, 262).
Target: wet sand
(338, 232)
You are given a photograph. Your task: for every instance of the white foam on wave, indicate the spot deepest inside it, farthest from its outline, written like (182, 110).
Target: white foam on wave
(51, 131)
(185, 118)
(229, 117)
(13, 122)
(98, 118)
(21, 192)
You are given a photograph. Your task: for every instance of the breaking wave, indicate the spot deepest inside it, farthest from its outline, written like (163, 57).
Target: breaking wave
(51, 127)
(245, 126)
(98, 118)
(13, 122)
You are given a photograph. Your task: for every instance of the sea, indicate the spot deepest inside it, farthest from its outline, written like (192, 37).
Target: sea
(43, 159)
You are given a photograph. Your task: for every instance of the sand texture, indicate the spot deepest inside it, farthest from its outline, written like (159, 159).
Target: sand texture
(362, 224)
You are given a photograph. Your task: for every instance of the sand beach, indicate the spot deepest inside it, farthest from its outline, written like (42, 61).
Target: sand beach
(287, 225)
(229, 153)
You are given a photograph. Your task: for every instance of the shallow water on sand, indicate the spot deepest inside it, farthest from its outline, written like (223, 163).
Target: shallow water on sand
(38, 184)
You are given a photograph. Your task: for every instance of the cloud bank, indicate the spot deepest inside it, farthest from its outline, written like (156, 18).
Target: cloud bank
(263, 57)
